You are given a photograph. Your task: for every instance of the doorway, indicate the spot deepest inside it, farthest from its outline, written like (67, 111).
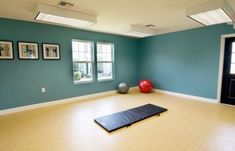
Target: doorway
(228, 80)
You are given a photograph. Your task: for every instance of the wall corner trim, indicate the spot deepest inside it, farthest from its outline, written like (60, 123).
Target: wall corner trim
(57, 102)
(186, 96)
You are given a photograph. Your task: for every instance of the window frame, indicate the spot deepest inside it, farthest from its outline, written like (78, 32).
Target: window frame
(92, 61)
(112, 61)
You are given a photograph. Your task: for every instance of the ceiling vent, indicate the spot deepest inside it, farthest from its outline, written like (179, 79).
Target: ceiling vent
(65, 4)
(150, 26)
(62, 16)
(142, 31)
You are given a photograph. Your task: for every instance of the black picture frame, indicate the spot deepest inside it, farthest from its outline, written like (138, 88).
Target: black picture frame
(28, 50)
(6, 50)
(51, 51)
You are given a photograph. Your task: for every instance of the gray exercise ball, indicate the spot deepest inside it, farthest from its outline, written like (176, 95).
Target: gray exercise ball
(122, 88)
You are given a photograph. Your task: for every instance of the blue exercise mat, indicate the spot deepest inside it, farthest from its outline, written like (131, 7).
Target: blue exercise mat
(126, 118)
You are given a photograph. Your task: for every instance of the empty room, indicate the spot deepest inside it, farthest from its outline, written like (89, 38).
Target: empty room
(106, 75)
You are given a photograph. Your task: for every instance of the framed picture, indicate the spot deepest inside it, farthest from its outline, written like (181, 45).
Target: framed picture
(51, 51)
(6, 50)
(28, 50)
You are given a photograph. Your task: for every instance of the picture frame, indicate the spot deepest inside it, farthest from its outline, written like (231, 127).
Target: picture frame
(51, 51)
(28, 50)
(6, 50)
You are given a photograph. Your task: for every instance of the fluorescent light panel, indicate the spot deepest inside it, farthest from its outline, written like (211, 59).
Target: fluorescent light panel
(141, 31)
(212, 17)
(63, 20)
(137, 34)
(211, 12)
(63, 16)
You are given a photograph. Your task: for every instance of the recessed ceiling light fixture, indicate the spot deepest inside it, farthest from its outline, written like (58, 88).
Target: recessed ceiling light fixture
(63, 16)
(141, 31)
(211, 13)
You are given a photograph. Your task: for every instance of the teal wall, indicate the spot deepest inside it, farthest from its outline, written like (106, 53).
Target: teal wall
(21, 80)
(184, 62)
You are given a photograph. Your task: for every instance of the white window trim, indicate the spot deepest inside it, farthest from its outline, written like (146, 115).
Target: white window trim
(112, 62)
(92, 62)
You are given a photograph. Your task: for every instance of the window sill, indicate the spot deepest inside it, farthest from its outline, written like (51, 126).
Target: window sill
(83, 82)
(104, 80)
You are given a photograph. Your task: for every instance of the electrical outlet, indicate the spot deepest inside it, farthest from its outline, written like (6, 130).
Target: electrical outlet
(43, 90)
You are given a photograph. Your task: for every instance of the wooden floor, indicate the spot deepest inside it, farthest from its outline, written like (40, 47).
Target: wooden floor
(187, 126)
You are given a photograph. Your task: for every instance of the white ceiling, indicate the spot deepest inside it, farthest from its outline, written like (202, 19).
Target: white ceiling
(116, 16)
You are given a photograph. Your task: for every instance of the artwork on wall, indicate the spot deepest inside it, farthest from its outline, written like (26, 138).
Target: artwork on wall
(6, 50)
(51, 51)
(28, 50)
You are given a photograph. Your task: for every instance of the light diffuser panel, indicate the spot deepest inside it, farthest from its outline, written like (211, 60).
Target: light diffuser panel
(137, 34)
(141, 31)
(212, 17)
(63, 20)
(62, 16)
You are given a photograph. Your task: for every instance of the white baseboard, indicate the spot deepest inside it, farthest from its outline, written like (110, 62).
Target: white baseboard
(55, 102)
(96, 95)
(186, 96)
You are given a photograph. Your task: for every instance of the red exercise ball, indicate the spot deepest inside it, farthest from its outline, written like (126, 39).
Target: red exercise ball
(145, 86)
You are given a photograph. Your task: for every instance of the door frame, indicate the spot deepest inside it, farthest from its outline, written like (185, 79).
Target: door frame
(221, 64)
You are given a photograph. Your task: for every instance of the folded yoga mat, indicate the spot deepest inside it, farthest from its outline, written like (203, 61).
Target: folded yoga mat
(126, 118)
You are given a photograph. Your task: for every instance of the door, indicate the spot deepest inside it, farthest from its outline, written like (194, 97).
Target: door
(228, 83)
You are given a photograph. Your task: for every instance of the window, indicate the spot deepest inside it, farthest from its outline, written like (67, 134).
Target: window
(232, 68)
(105, 60)
(82, 61)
